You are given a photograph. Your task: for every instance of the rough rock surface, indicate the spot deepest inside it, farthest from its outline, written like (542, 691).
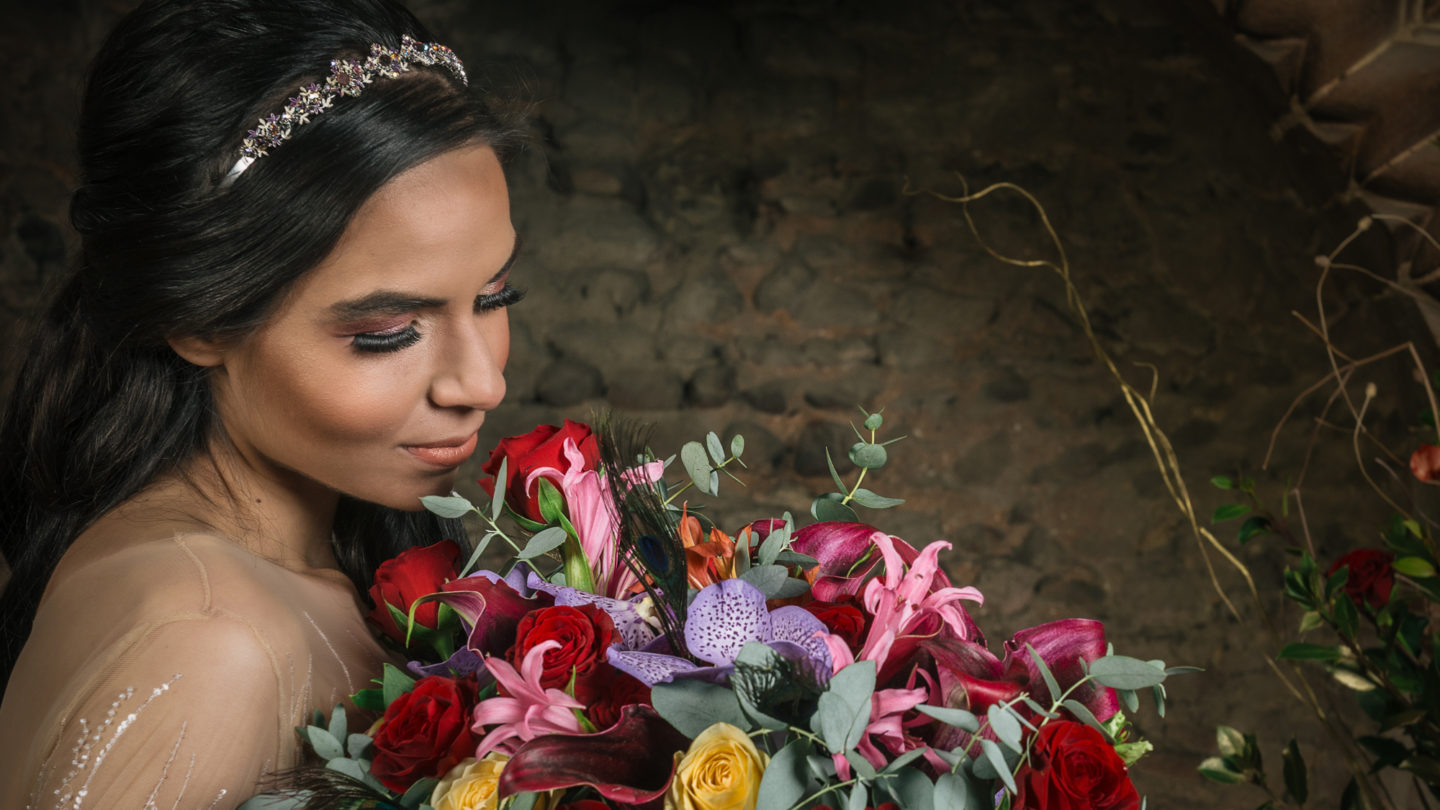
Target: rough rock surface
(720, 234)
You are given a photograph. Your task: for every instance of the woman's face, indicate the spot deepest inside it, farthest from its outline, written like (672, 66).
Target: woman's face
(376, 372)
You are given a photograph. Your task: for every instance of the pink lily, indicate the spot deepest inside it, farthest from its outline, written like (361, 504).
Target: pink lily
(528, 710)
(588, 505)
(906, 610)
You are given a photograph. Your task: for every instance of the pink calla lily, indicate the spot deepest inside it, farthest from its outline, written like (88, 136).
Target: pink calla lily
(588, 506)
(631, 762)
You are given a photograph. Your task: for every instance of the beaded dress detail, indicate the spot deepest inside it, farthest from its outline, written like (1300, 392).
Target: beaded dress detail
(171, 674)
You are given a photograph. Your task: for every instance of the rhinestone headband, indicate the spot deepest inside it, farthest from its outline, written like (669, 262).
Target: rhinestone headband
(347, 78)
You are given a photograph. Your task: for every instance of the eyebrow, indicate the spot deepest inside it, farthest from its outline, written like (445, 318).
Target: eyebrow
(389, 302)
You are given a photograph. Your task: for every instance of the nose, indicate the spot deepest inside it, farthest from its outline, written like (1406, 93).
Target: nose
(470, 371)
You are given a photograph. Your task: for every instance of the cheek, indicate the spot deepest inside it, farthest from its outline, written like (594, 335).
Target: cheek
(326, 395)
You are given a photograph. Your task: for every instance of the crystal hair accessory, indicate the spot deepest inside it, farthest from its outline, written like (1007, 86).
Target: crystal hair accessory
(347, 78)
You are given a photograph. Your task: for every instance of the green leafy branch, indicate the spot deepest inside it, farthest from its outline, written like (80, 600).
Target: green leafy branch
(867, 454)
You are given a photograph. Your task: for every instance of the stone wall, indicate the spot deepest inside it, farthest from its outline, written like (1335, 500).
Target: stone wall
(719, 236)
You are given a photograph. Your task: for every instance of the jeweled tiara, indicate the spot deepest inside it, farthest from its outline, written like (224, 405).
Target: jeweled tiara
(347, 78)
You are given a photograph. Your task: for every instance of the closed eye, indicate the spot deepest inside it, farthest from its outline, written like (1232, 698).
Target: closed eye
(508, 295)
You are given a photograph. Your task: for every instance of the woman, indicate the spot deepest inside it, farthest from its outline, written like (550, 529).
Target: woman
(278, 337)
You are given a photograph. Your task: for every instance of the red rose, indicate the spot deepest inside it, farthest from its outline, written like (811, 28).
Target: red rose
(400, 581)
(843, 619)
(425, 732)
(542, 447)
(585, 632)
(1071, 767)
(608, 693)
(1425, 463)
(1370, 578)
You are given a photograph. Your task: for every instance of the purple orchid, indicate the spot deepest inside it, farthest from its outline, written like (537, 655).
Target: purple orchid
(723, 618)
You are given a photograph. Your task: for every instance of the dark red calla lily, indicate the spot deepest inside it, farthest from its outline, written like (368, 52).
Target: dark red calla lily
(492, 608)
(847, 558)
(631, 762)
(972, 678)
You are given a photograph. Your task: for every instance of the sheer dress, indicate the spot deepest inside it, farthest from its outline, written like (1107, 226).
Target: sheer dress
(172, 673)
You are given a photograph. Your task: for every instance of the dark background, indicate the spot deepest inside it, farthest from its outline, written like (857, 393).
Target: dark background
(718, 236)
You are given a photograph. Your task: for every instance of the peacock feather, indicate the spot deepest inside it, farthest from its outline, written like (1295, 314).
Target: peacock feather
(648, 536)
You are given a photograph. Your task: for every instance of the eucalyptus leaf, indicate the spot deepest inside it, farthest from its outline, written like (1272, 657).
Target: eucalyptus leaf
(873, 421)
(1124, 672)
(861, 765)
(912, 790)
(449, 506)
(870, 500)
(1006, 727)
(478, 552)
(419, 792)
(768, 578)
(997, 761)
(714, 483)
(904, 759)
(497, 501)
(1130, 699)
(546, 540)
(1222, 482)
(786, 778)
(1051, 684)
(355, 745)
(692, 706)
(324, 743)
(523, 801)
(855, 684)
(827, 508)
(337, 727)
(773, 545)
(856, 799)
(834, 475)
(350, 767)
(1084, 715)
(832, 721)
(868, 456)
(791, 588)
(737, 445)
(697, 465)
(951, 792)
(959, 718)
(790, 559)
(716, 449)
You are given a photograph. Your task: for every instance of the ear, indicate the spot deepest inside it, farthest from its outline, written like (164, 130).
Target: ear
(199, 351)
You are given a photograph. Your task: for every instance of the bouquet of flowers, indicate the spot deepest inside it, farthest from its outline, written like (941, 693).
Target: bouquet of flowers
(633, 654)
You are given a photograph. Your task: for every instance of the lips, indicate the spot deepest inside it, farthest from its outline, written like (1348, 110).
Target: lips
(444, 454)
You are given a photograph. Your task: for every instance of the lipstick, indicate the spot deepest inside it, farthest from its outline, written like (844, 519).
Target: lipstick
(444, 454)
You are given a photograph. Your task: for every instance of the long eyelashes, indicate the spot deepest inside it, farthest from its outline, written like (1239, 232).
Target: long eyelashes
(383, 342)
(403, 338)
(508, 296)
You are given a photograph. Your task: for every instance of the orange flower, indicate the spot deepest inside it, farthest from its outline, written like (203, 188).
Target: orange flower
(706, 562)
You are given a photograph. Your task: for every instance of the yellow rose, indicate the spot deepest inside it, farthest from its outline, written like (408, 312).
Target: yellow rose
(721, 771)
(472, 785)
